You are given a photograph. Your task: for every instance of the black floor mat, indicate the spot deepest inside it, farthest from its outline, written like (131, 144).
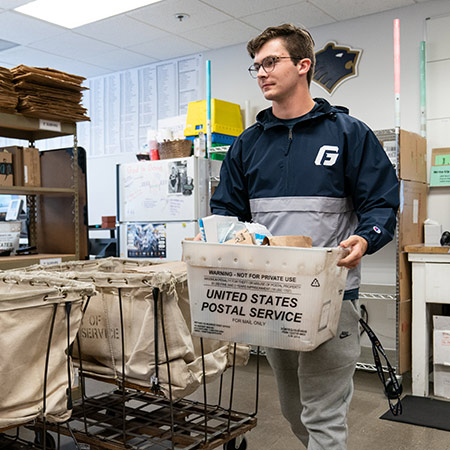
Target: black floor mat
(423, 411)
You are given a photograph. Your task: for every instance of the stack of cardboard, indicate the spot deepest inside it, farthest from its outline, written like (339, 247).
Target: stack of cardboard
(8, 96)
(49, 94)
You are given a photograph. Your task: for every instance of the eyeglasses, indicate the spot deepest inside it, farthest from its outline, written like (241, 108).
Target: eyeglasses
(268, 64)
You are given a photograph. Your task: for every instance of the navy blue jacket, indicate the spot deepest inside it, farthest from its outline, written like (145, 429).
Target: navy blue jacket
(323, 175)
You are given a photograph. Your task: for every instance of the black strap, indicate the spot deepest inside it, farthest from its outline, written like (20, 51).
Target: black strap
(376, 349)
(155, 378)
(68, 308)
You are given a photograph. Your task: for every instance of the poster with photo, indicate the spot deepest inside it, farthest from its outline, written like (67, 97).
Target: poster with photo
(179, 182)
(146, 240)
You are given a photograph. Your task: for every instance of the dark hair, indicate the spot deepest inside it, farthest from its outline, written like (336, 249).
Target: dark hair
(299, 43)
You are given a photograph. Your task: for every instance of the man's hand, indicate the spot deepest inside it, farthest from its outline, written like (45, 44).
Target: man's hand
(198, 237)
(357, 246)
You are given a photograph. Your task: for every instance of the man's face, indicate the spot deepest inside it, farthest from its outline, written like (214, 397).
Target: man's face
(282, 81)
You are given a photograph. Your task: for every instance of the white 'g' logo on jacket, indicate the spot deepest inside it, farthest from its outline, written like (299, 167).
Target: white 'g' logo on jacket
(327, 155)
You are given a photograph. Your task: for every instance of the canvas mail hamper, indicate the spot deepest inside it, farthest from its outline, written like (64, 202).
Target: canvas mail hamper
(126, 301)
(40, 315)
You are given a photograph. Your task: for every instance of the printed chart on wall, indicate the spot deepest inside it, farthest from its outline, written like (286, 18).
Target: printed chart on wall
(124, 105)
(157, 190)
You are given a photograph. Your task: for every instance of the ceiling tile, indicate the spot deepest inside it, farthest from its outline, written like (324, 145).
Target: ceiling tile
(4, 45)
(24, 30)
(169, 47)
(162, 15)
(120, 60)
(121, 31)
(152, 33)
(69, 43)
(349, 9)
(240, 8)
(232, 32)
(36, 58)
(301, 14)
(11, 4)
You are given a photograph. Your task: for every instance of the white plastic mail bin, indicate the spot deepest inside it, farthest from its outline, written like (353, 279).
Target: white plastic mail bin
(281, 297)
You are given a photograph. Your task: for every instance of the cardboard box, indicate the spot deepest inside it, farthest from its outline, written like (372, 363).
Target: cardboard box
(412, 159)
(412, 215)
(6, 169)
(404, 336)
(404, 314)
(108, 221)
(281, 297)
(412, 212)
(26, 166)
(441, 355)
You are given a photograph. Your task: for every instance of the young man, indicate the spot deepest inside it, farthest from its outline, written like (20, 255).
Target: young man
(308, 168)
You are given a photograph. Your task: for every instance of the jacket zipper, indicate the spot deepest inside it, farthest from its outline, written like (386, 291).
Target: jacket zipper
(286, 165)
(290, 141)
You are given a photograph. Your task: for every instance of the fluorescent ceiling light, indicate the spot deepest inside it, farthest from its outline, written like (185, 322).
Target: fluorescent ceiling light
(74, 13)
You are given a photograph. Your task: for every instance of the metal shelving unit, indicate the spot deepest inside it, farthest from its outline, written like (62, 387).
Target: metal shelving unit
(385, 292)
(378, 293)
(32, 129)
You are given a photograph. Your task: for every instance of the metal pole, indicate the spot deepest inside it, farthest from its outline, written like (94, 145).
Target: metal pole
(423, 90)
(208, 108)
(397, 153)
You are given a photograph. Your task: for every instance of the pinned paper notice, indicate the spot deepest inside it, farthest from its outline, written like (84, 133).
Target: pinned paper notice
(442, 160)
(440, 167)
(445, 339)
(440, 176)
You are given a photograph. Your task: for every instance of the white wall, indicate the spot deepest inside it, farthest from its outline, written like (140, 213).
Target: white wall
(102, 186)
(438, 109)
(370, 96)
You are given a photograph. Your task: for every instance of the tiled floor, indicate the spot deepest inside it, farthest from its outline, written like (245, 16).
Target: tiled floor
(367, 431)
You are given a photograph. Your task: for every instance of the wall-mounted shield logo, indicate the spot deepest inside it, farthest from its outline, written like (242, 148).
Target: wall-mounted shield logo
(334, 65)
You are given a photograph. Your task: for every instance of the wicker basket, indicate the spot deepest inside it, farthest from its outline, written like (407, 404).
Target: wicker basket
(180, 148)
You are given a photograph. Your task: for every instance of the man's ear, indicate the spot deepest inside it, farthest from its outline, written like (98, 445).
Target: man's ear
(303, 66)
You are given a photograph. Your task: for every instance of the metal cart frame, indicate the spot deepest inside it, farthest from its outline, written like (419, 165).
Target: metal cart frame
(134, 417)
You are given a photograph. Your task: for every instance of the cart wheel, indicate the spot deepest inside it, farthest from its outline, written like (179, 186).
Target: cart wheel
(390, 391)
(233, 444)
(50, 443)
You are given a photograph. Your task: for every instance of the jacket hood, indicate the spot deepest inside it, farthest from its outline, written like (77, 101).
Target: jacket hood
(322, 109)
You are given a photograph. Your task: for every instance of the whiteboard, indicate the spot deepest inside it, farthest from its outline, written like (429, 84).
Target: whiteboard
(165, 190)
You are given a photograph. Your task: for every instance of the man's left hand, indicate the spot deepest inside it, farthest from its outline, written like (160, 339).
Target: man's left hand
(357, 246)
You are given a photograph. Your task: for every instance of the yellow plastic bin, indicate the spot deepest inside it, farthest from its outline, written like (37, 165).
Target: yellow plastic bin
(226, 118)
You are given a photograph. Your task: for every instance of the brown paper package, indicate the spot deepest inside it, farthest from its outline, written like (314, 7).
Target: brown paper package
(288, 241)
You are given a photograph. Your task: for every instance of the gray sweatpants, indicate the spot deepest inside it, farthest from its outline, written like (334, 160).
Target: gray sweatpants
(315, 388)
